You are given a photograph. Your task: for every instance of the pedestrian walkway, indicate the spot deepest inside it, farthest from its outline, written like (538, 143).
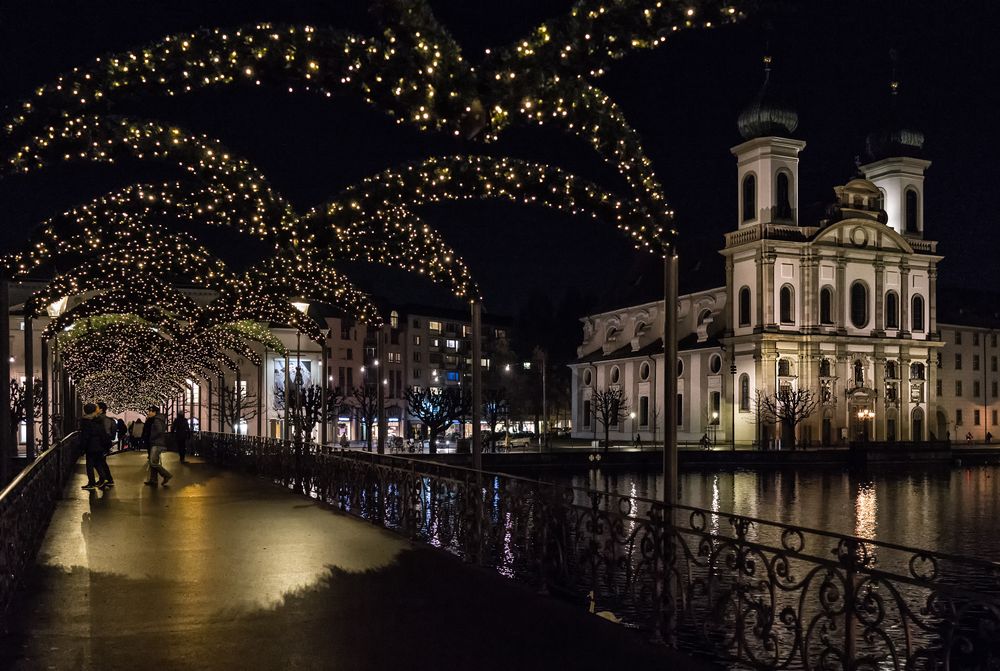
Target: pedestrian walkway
(219, 570)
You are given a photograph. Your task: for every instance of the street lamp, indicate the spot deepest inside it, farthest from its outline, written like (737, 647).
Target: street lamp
(865, 415)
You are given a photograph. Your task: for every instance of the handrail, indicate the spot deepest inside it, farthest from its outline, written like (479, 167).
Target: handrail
(758, 593)
(34, 465)
(26, 507)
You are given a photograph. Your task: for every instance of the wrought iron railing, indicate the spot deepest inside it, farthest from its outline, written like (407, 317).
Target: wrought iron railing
(26, 506)
(753, 593)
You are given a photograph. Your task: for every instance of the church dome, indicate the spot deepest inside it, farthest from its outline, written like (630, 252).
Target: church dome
(895, 136)
(767, 115)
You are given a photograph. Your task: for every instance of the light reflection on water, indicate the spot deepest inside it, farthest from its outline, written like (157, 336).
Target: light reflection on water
(947, 509)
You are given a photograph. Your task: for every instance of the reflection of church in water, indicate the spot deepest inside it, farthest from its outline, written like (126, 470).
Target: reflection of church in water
(844, 306)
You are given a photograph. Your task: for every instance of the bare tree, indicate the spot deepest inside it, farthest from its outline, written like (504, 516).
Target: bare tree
(789, 407)
(610, 407)
(19, 401)
(233, 404)
(494, 409)
(363, 402)
(436, 409)
(305, 407)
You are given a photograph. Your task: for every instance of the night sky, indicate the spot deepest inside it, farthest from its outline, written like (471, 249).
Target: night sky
(831, 59)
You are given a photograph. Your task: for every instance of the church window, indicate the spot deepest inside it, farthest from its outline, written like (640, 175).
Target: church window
(917, 314)
(826, 305)
(784, 201)
(786, 306)
(784, 368)
(744, 393)
(916, 371)
(890, 370)
(744, 306)
(859, 305)
(749, 198)
(824, 368)
(715, 364)
(859, 374)
(891, 310)
(911, 211)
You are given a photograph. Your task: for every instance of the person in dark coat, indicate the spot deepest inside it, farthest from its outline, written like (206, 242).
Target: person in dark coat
(182, 432)
(93, 438)
(154, 434)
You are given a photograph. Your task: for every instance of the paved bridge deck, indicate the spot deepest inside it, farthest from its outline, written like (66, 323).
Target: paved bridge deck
(219, 570)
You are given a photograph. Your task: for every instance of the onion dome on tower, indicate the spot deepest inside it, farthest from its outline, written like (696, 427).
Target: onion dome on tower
(768, 115)
(895, 136)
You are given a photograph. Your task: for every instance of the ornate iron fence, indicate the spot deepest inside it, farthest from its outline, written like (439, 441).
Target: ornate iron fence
(26, 506)
(753, 593)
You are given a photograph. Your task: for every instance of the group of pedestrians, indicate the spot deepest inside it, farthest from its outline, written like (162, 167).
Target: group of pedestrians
(98, 431)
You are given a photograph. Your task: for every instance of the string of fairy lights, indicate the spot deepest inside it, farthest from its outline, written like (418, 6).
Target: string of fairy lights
(124, 263)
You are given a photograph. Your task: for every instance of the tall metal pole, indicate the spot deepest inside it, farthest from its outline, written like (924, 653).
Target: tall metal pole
(477, 384)
(670, 263)
(380, 370)
(45, 394)
(261, 372)
(222, 402)
(288, 389)
(545, 400)
(323, 400)
(29, 389)
(209, 425)
(6, 435)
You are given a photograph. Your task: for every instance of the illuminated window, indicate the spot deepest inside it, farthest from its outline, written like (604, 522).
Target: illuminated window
(394, 319)
(451, 344)
(435, 327)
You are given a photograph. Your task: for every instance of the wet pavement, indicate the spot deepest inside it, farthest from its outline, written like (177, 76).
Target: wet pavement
(219, 570)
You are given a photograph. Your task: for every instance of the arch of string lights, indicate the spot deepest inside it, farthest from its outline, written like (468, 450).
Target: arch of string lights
(415, 72)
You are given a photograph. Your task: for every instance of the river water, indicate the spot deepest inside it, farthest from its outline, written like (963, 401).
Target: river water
(943, 509)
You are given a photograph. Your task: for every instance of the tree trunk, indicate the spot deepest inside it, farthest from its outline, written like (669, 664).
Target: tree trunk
(607, 439)
(788, 435)
(432, 435)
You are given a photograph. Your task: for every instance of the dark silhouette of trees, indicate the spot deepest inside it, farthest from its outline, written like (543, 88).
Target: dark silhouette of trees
(436, 410)
(789, 407)
(610, 407)
(232, 404)
(494, 410)
(19, 402)
(363, 402)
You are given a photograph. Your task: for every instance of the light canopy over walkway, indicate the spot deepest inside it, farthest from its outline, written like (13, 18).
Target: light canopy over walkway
(221, 570)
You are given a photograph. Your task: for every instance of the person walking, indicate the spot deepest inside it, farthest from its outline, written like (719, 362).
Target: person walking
(154, 437)
(92, 442)
(182, 432)
(122, 432)
(110, 429)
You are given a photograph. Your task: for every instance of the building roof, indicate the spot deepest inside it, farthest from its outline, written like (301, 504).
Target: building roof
(655, 347)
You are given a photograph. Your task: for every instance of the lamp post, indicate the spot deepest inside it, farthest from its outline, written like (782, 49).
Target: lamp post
(865, 415)
(634, 433)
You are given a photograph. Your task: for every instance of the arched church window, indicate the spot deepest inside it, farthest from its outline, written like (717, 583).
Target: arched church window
(749, 198)
(891, 372)
(859, 374)
(824, 368)
(916, 371)
(394, 319)
(784, 368)
(917, 314)
(744, 306)
(786, 305)
(911, 210)
(859, 305)
(784, 198)
(826, 305)
(744, 393)
(891, 310)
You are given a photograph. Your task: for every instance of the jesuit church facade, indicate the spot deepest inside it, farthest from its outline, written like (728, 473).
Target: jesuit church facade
(844, 306)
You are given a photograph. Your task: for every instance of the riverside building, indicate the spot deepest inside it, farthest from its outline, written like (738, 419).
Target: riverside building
(844, 306)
